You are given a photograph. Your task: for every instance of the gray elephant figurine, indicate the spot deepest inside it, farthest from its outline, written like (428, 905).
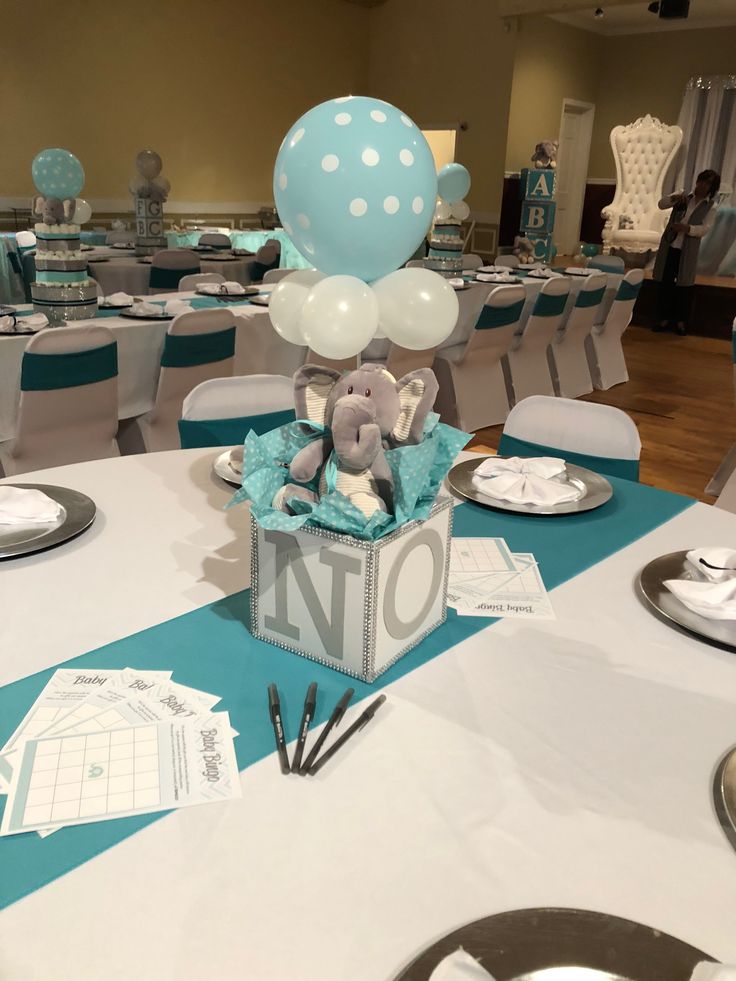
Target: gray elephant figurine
(53, 211)
(366, 411)
(545, 155)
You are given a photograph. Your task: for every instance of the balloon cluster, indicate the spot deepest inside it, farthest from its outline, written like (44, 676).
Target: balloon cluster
(354, 184)
(148, 183)
(59, 176)
(453, 183)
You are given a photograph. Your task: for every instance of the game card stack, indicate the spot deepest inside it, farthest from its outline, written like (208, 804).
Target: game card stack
(488, 580)
(106, 744)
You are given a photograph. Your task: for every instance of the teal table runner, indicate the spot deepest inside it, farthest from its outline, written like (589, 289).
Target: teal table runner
(211, 648)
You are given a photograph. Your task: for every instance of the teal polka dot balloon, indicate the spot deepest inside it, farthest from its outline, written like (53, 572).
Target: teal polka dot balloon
(355, 187)
(57, 173)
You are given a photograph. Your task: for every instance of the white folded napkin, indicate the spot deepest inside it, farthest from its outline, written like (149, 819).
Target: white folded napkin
(499, 277)
(233, 287)
(236, 459)
(578, 271)
(456, 282)
(146, 309)
(177, 306)
(26, 506)
(524, 481)
(708, 971)
(7, 325)
(221, 289)
(491, 268)
(116, 300)
(23, 325)
(714, 595)
(460, 966)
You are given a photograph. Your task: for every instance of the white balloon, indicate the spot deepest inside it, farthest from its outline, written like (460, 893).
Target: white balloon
(82, 211)
(287, 299)
(339, 317)
(417, 308)
(460, 210)
(442, 210)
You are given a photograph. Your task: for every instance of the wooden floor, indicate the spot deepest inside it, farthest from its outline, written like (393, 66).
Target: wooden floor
(680, 394)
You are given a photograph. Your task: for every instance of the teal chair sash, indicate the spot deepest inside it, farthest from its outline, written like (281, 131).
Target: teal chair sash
(189, 350)
(168, 279)
(491, 316)
(547, 305)
(590, 298)
(628, 291)
(44, 372)
(195, 433)
(610, 466)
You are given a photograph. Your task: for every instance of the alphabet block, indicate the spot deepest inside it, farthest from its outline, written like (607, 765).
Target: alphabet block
(537, 217)
(544, 249)
(312, 590)
(538, 185)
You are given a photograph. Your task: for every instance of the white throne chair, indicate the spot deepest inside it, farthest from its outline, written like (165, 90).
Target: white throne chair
(643, 151)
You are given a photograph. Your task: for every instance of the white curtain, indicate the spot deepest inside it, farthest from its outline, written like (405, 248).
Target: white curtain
(708, 122)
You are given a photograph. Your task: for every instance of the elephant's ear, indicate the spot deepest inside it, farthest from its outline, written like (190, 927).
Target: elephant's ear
(417, 392)
(70, 206)
(312, 386)
(37, 204)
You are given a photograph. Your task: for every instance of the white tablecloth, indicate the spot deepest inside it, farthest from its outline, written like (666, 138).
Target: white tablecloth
(564, 763)
(131, 275)
(258, 349)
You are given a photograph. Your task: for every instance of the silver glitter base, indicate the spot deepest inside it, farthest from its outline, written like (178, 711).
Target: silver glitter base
(63, 303)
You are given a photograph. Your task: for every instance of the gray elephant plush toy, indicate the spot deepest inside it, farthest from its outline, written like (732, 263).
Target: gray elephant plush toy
(366, 411)
(545, 155)
(523, 249)
(53, 211)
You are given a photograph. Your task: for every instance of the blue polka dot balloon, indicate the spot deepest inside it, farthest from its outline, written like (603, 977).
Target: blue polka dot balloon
(57, 173)
(355, 187)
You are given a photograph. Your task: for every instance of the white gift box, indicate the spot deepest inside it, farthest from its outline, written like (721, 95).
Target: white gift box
(355, 605)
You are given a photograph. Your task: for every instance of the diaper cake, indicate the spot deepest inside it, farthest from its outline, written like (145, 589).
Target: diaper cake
(446, 248)
(149, 190)
(62, 288)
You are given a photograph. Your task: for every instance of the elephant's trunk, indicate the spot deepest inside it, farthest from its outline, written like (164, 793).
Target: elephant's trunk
(355, 433)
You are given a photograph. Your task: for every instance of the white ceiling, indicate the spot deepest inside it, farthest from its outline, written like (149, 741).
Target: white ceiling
(634, 18)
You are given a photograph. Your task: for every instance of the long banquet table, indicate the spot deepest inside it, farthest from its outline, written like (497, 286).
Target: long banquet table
(516, 763)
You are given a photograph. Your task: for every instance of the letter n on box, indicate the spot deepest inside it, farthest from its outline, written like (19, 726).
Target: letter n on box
(354, 605)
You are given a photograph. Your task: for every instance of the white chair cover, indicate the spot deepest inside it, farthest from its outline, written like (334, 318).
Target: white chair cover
(274, 275)
(471, 261)
(191, 282)
(512, 261)
(572, 373)
(346, 364)
(158, 429)
(218, 239)
(401, 360)
(608, 263)
(473, 377)
(643, 151)
(172, 259)
(603, 346)
(575, 426)
(243, 395)
(25, 240)
(65, 425)
(531, 371)
(415, 264)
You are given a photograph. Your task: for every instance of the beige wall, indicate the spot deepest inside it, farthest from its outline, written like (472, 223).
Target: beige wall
(553, 62)
(647, 73)
(445, 63)
(212, 86)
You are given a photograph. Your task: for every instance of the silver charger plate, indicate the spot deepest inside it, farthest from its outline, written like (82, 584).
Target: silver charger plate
(665, 605)
(146, 316)
(222, 468)
(261, 301)
(247, 291)
(724, 794)
(115, 306)
(78, 513)
(534, 944)
(595, 490)
(219, 257)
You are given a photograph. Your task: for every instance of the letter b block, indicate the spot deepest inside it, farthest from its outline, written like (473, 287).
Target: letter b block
(537, 217)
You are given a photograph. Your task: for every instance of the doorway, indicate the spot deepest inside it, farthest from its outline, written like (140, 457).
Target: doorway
(576, 130)
(442, 144)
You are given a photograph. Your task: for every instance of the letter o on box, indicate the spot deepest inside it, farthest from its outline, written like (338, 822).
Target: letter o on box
(398, 628)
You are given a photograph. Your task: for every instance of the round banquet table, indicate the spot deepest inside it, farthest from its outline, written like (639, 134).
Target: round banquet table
(555, 763)
(130, 275)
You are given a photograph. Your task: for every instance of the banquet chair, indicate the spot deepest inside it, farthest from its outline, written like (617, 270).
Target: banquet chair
(568, 361)
(221, 411)
(607, 263)
(603, 345)
(275, 275)
(217, 240)
(25, 241)
(400, 361)
(199, 345)
(192, 281)
(344, 364)
(124, 236)
(68, 409)
(599, 437)
(471, 261)
(168, 266)
(511, 261)
(473, 377)
(266, 258)
(528, 361)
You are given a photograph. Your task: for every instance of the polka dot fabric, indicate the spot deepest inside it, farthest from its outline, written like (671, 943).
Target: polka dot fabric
(362, 176)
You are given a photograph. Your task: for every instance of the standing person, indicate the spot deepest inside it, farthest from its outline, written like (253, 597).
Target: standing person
(677, 258)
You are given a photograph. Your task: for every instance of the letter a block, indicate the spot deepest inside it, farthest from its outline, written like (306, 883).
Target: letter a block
(538, 185)
(354, 605)
(537, 217)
